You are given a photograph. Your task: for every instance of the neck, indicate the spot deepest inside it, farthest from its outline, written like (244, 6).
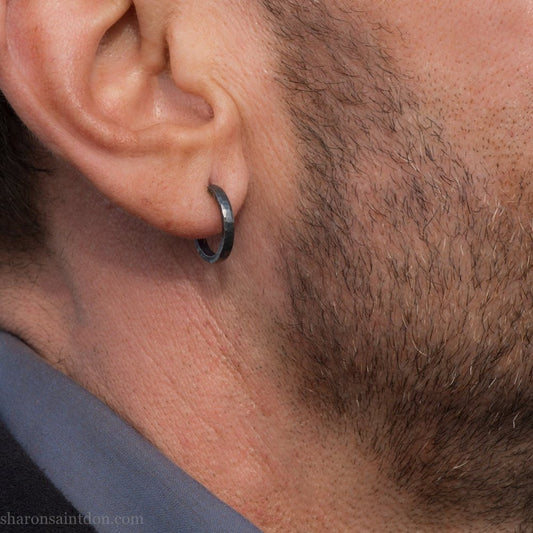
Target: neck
(181, 353)
(199, 391)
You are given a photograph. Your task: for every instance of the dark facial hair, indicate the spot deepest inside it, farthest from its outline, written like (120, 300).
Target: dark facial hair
(411, 317)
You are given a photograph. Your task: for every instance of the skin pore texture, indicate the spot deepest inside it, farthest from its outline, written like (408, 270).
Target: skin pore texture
(363, 360)
(410, 275)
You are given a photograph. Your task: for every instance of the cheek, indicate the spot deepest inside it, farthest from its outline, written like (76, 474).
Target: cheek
(470, 63)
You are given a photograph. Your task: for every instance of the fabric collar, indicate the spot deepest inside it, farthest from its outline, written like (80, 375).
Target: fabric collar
(105, 468)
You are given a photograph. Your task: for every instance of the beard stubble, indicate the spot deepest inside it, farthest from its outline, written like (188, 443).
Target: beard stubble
(410, 322)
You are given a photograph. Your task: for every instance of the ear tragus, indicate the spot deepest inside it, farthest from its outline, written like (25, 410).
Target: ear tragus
(132, 72)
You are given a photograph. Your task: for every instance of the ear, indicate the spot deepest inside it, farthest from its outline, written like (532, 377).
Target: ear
(122, 91)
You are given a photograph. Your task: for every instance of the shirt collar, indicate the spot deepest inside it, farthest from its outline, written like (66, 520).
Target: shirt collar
(100, 463)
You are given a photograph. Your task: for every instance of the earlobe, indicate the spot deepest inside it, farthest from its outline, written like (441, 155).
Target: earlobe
(104, 85)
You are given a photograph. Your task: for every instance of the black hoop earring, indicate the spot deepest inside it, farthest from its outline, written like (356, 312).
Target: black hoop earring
(228, 231)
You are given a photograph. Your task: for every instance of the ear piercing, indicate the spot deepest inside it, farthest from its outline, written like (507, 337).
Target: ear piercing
(228, 233)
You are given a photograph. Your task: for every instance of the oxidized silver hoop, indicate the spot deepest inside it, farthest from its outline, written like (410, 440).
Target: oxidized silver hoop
(228, 229)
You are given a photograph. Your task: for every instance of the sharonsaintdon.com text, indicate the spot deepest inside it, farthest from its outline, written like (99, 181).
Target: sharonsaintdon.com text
(10, 519)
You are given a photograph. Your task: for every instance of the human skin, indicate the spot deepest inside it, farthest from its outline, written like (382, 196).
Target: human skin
(325, 377)
(409, 273)
(469, 63)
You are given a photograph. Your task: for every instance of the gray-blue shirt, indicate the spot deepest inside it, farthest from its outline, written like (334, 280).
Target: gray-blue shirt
(107, 470)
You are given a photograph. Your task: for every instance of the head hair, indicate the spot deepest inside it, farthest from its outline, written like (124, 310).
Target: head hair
(21, 230)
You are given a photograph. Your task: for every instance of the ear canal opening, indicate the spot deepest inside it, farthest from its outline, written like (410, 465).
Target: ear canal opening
(123, 36)
(132, 77)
